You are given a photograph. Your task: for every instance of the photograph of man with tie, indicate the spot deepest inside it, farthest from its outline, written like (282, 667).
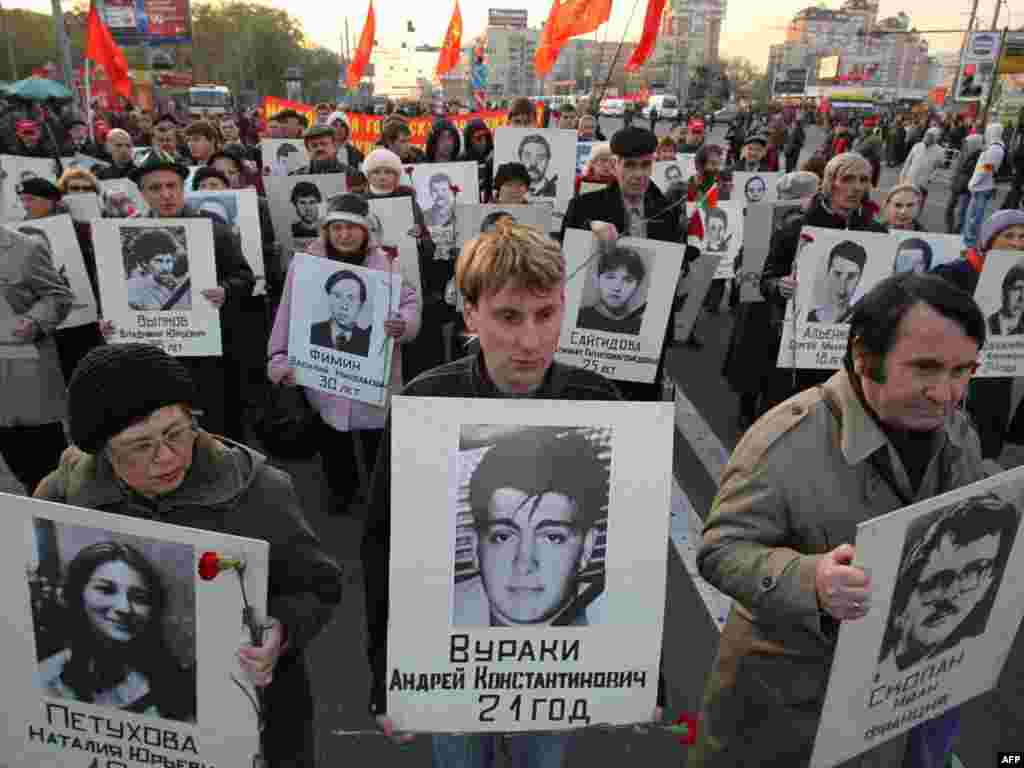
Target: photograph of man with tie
(346, 292)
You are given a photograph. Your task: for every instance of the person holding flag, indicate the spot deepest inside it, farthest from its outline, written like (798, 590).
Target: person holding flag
(635, 207)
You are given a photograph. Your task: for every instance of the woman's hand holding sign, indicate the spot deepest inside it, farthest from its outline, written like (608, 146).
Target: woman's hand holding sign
(787, 286)
(395, 327)
(258, 663)
(215, 296)
(844, 591)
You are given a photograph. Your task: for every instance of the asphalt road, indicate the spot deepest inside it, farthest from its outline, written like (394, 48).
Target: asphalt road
(706, 430)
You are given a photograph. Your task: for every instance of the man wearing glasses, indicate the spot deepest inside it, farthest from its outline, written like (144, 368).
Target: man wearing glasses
(948, 579)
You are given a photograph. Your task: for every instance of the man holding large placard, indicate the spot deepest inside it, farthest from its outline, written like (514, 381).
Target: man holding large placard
(879, 435)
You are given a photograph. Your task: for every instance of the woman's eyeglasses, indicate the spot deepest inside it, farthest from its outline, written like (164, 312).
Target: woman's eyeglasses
(73, 188)
(144, 452)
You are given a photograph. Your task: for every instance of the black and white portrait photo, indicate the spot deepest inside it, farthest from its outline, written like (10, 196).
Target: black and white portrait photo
(844, 271)
(615, 299)
(114, 620)
(755, 189)
(223, 207)
(673, 174)
(156, 268)
(535, 153)
(913, 255)
(718, 236)
(531, 525)
(306, 200)
(347, 298)
(949, 575)
(441, 191)
(1008, 320)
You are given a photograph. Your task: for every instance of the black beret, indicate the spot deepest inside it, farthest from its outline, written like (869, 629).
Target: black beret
(117, 385)
(206, 172)
(158, 161)
(758, 138)
(40, 187)
(511, 172)
(634, 142)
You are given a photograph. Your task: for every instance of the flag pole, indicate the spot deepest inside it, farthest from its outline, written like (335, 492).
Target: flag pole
(618, 50)
(88, 103)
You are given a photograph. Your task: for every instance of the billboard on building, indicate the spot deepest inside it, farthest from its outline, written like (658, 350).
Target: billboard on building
(509, 18)
(790, 82)
(977, 66)
(1012, 61)
(137, 22)
(828, 68)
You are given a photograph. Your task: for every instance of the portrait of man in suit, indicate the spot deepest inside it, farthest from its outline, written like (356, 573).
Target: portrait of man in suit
(346, 292)
(1008, 320)
(845, 268)
(442, 199)
(535, 153)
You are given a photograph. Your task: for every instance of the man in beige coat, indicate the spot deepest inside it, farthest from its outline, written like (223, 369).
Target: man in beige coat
(34, 300)
(879, 435)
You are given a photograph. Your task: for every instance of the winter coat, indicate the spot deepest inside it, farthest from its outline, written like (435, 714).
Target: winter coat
(440, 128)
(33, 387)
(762, 541)
(232, 489)
(340, 412)
(484, 160)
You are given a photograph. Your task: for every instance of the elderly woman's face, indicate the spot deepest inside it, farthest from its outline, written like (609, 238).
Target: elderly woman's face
(1010, 239)
(850, 186)
(117, 602)
(902, 210)
(153, 457)
(383, 179)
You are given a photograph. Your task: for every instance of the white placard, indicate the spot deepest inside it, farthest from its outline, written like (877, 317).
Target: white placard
(923, 251)
(1000, 295)
(473, 220)
(83, 206)
(549, 155)
(723, 236)
(439, 188)
(58, 234)
(127, 188)
(834, 267)
(760, 223)
(283, 156)
(15, 171)
(394, 228)
(85, 162)
(207, 719)
(596, 595)
(337, 343)
(159, 302)
(757, 187)
(947, 598)
(615, 319)
(297, 204)
(239, 209)
(669, 172)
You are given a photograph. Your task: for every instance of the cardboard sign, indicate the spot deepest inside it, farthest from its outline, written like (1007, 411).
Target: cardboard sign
(946, 604)
(1000, 295)
(239, 209)
(439, 188)
(617, 304)
(183, 697)
(760, 223)
(758, 187)
(15, 171)
(58, 234)
(394, 228)
(152, 273)
(296, 205)
(337, 343)
(549, 155)
(283, 156)
(583, 640)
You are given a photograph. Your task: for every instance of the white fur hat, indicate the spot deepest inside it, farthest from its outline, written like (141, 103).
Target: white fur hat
(382, 158)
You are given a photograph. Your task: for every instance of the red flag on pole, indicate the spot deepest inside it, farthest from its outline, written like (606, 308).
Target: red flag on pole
(646, 45)
(362, 57)
(567, 19)
(104, 52)
(452, 48)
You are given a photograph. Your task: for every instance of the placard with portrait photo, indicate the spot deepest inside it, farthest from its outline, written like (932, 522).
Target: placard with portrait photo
(723, 236)
(756, 187)
(283, 156)
(337, 341)
(549, 155)
(618, 299)
(111, 630)
(15, 170)
(580, 488)
(946, 605)
(239, 209)
(760, 223)
(152, 274)
(475, 220)
(297, 204)
(126, 192)
(394, 228)
(1000, 295)
(834, 267)
(922, 252)
(440, 187)
(668, 173)
(57, 233)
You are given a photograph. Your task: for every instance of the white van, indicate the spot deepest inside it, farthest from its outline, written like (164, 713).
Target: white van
(666, 105)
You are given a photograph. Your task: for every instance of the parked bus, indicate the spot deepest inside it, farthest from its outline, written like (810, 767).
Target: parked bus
(210, 100)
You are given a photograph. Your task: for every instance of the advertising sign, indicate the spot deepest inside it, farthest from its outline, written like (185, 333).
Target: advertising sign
(154, 22)
(977, 67)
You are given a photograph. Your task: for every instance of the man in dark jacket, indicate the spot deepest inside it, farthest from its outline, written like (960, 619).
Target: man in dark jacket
(959, 195)
(795, 139)
(162, 182)
(478, 147)
(493, 372)
(127, 402)
(635, 208)
(323, 153)
(120, 152)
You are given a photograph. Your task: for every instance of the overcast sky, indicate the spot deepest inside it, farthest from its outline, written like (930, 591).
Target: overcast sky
(750, 27)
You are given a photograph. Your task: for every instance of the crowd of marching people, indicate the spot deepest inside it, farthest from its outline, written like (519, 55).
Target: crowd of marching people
(127, 428)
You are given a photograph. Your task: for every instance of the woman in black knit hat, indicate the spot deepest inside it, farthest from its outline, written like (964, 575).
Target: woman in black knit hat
(139, 452)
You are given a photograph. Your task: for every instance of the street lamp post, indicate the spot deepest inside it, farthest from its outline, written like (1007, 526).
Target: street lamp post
(63, 46)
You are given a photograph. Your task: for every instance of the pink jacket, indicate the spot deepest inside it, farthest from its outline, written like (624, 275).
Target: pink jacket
(340, 412)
